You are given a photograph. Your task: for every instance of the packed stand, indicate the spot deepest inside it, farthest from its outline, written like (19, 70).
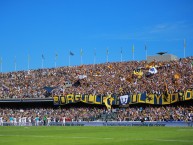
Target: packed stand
(61, 116)
(105, 78)
(39, 116)
(164, 113)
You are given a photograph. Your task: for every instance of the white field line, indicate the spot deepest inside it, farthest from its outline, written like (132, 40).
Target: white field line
(185, 130)
(173, 140)
(162, 140)
(79, 137)
(40, 136)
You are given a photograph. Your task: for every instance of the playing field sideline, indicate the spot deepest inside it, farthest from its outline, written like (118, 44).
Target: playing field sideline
(96, 135)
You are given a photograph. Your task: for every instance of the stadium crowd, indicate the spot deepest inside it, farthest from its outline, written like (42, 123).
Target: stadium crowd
(110, 78)
(63, 115)
(105, 78)
(38, 116)
(162, 113)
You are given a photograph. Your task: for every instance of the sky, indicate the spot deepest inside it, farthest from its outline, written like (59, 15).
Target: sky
(41, 33)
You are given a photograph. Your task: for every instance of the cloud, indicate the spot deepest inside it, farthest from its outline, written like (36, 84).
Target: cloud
(167, 31)
(160, 28)
(171, 27)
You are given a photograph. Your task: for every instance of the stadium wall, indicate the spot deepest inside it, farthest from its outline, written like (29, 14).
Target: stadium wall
(111, 123)
(165, 57)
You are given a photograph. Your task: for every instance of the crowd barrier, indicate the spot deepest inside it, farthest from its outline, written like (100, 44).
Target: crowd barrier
(107, 123)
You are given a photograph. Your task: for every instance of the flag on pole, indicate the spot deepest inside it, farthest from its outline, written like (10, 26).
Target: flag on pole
(56, 56)
(95, 52)
(146, 51)
(81, 52)
(107, 54)
(184, 48)
(94, 55)
(133, 49)
(15, 63)
(71, 53)
(15, 59)
(121, 54)
(28, 61)
(28, 55)
(1, 61)
(28, 58)
(43, 57)
(107, 51)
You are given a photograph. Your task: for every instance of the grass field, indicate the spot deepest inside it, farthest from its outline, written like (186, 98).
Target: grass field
(96, 136)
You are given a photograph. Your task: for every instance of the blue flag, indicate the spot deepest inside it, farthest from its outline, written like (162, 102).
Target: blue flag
(43, 56)
(49, 89)
(71, 53)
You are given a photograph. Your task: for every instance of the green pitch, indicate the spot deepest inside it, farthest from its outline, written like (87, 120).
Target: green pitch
(96, 135)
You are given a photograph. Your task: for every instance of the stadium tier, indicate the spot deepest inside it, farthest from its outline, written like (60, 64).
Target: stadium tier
(42, 116)
(110, 83)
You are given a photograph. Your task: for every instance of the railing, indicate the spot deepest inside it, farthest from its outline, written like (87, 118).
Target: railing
(103, 123)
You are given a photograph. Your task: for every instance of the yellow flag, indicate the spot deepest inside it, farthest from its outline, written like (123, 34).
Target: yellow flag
(133, 49)
(177, 76)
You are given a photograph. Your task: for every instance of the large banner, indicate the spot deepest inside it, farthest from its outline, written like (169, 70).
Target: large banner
(124, 100)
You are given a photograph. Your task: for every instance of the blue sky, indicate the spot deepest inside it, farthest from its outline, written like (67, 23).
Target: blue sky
(50, 27)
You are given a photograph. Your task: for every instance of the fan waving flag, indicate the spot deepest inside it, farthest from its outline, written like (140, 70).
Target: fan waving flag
(49, 89)
(153, 70)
